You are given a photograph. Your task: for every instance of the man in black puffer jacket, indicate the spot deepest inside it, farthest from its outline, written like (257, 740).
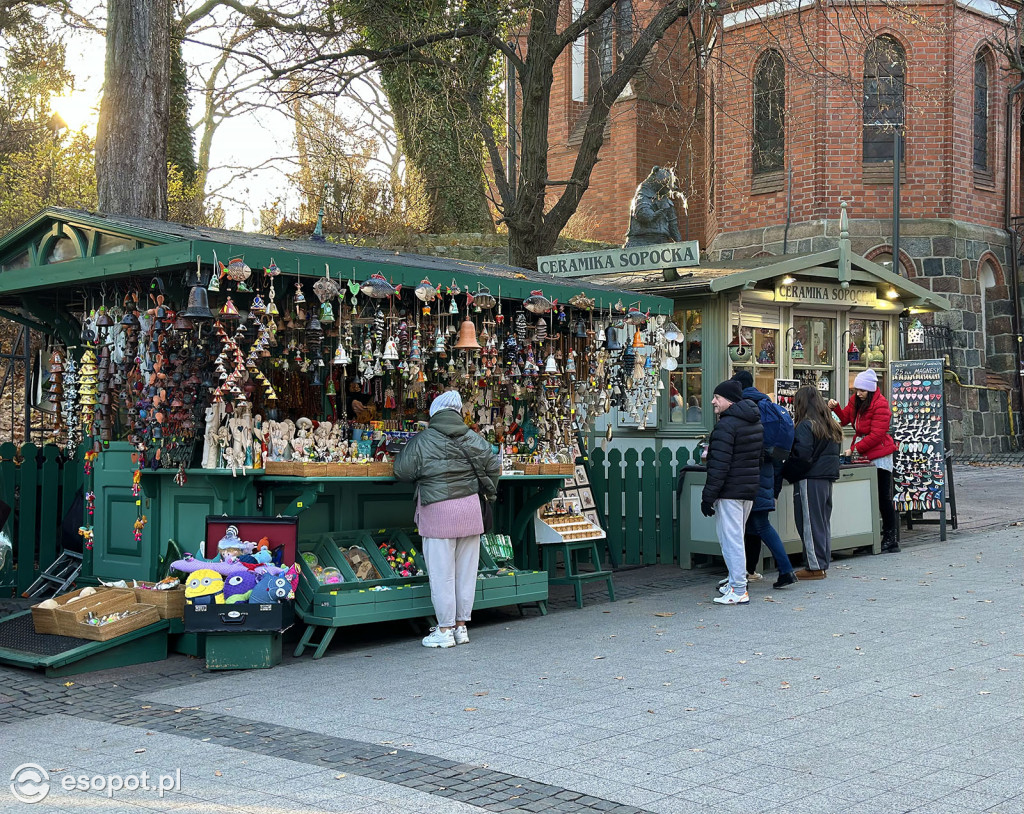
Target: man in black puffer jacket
(734, 471)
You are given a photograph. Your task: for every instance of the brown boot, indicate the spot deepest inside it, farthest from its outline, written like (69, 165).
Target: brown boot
(803, 574)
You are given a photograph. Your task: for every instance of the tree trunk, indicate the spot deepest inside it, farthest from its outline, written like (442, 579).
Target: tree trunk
(438, 136)
(131, 139)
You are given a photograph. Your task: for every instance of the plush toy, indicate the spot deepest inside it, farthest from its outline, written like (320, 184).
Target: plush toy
(270, 589)
(238, 588)
(205, 587)
(190, 564)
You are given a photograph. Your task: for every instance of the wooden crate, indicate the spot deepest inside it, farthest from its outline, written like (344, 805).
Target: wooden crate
(314, 470)
(278, 468)
(46, 620)
(170, 604)
(380, 469)
(139, 616)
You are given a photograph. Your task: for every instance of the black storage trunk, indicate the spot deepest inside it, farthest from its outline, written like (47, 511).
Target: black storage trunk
(243, 617)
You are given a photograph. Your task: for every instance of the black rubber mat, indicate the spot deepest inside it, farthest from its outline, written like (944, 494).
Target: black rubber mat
(17, 633)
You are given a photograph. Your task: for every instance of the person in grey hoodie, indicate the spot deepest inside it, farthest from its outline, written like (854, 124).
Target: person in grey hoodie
(452, 467)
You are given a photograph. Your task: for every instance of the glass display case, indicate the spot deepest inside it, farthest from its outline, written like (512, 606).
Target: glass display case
(867, 347)
(813, 352)
(686, 382)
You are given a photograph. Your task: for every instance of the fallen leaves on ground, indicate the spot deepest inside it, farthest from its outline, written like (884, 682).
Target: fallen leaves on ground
(665, 614)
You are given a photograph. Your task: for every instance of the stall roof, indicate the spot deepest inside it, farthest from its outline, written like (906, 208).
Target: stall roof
(840, 263)
(139, 246)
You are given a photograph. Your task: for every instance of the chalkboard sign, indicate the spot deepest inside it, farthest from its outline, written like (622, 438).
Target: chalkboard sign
(785, 390)
(918, 423)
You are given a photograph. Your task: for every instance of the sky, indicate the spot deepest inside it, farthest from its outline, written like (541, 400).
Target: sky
(240, 141)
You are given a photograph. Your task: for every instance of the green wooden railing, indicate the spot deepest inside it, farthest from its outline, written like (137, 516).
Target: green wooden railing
(635, 493)
(40, 485)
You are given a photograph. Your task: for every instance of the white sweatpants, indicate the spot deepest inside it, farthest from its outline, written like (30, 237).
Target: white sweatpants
(730, 521)
(452, 566)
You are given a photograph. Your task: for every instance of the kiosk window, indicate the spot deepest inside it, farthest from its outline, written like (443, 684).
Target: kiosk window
(813, 353)
(686, 382)
(764, 364)
(868, 342)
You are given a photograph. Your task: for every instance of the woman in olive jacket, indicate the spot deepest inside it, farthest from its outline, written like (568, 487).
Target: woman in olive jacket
(452, 466)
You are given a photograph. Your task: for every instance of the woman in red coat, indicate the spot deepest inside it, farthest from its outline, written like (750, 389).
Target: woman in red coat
(869, 413)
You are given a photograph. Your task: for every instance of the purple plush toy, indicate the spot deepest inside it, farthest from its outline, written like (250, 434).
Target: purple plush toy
(238, 587)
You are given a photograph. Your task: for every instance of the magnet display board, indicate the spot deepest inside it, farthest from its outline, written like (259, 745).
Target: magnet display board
(918, 428)
(785, 390)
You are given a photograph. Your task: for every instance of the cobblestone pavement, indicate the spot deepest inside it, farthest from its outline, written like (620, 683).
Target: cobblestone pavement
(892, 686)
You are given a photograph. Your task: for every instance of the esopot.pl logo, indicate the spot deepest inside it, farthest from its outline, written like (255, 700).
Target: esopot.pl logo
(30, 783)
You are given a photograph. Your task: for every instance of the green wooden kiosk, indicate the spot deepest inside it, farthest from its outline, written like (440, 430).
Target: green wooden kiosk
(817, 317)
(64, 262)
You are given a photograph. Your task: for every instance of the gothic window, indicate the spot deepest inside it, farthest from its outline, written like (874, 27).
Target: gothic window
(769, 113)
(981, 112)
(885, 73)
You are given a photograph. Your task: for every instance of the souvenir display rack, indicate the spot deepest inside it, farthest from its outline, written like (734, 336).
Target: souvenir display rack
(326, 604)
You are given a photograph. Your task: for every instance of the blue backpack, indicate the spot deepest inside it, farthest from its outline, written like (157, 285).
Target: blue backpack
(778, 430)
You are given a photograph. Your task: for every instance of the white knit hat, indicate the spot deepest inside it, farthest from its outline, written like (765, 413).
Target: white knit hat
(448, 400)
(866, 380)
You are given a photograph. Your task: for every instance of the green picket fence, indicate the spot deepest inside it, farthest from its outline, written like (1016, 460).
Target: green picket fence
(635, 492)
(40, 486)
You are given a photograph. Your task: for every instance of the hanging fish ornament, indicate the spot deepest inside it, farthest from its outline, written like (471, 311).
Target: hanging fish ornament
(325, 288)
(537, 303)
(236, 270)
(582, 302)
(272, 270)
(425, 292)
(378, 288)
(483, 298)
(634, 316)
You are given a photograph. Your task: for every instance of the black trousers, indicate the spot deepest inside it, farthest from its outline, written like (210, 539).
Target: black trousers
(890, 520)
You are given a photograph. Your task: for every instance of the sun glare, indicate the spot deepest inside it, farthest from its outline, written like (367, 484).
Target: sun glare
(78, 109)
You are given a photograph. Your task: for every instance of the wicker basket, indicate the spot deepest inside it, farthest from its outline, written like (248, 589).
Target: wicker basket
(139, 616)
(380, 469)
(45, 619)
(278, 468)
(566, 469)
(111, 601)
(549, 469)
(529, 469)
(170, 604)
(314, 470)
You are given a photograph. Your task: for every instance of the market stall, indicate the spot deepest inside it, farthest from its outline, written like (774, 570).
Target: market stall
(214, 373)
(816, 318)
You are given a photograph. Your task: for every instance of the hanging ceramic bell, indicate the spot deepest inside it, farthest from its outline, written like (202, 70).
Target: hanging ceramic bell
(198, 306)
(300, 298)
(228, 311)
(439, 342)
(612, 341)
(581, 328)
(326, 313)
(551, 366)
(638, 339)
(601, 337)
(797, 351)
(483, 298)
(391, 350)
(453, 308)
(467, 336)
(258, 307)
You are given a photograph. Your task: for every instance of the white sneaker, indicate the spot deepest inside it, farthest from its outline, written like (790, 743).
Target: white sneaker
(733, 598)
(439, 638)
(461, 635)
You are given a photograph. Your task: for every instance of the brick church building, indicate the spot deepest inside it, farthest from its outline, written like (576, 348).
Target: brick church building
(792, 108)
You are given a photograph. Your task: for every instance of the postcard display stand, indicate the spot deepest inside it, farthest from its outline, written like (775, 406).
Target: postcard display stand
(570, 524)
(922, 465)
